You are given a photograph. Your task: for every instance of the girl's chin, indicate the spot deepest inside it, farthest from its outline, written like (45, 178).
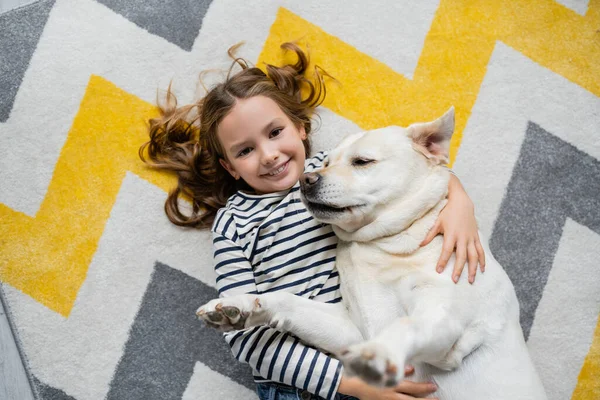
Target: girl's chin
(284, 183)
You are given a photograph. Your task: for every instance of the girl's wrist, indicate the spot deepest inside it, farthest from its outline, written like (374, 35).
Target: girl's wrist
(457, 191)
(352, 387)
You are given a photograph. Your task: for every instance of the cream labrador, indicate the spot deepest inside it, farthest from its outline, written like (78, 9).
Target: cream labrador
(382, 191)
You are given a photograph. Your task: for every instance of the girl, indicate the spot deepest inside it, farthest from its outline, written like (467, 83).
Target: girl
(239, 153)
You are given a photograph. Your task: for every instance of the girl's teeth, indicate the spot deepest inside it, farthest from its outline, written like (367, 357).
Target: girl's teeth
(278, 170)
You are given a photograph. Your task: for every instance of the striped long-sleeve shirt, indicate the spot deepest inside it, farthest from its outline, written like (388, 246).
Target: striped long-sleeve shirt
(266, 243)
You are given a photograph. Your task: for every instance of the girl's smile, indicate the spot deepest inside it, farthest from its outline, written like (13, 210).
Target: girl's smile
(278, 171)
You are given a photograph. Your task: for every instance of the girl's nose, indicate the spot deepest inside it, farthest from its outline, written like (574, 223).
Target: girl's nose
(270, 156)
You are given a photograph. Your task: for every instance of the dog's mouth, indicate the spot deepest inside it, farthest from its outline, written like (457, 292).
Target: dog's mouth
(324, 208)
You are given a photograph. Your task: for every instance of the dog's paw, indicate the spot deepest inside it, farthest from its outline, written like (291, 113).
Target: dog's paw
(372, 363)
(230, 313)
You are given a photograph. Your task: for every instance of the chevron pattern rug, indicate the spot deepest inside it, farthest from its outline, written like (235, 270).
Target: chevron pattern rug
(101, 288)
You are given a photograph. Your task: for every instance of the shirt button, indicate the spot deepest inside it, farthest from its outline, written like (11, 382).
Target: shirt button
(305, 395)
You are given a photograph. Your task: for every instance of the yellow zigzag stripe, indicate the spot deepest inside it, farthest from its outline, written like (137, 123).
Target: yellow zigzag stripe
(47, 257)
(588, 383)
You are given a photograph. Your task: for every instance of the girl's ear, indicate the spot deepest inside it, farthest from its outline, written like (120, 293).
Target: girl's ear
(229, 169)
(302, 132)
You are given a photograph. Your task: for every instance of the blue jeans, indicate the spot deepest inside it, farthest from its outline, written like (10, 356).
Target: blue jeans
(278, 391)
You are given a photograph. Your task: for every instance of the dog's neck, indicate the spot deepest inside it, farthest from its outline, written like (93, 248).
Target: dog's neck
(405, 223)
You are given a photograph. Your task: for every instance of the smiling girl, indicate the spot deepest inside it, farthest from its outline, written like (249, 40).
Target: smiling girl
(239, 154)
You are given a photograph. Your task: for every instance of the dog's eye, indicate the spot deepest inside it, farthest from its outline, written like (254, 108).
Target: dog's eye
(360, 162)
(326, 163)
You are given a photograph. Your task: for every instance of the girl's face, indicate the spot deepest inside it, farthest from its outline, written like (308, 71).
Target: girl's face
(262, 145)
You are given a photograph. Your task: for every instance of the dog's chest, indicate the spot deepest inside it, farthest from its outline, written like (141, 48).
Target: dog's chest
(372, 303)
(372, 306)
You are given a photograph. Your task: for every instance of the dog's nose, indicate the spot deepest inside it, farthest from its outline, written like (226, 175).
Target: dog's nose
(311, 178)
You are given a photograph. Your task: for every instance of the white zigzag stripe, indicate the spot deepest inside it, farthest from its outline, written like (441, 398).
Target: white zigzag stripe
(516, 90)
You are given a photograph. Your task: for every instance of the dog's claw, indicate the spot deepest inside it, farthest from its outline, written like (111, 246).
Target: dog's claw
(391, 369)
(231, 312)
(215, 316)
(227, 314)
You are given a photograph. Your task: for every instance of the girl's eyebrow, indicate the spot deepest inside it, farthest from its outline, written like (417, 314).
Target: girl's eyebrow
(237, 146)
(269, 127)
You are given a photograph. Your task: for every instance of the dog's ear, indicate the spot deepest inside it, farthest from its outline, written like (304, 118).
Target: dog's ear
(433, 138)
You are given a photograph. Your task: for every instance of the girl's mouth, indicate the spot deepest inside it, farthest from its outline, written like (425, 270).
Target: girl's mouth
(279, 170)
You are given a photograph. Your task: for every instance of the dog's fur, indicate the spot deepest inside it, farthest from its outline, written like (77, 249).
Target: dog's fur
(382, 191)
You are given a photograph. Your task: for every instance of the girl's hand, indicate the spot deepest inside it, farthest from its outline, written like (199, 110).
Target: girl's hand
(406, 390)
(458, 225)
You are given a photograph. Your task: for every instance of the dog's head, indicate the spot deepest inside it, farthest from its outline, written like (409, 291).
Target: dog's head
(370, 169)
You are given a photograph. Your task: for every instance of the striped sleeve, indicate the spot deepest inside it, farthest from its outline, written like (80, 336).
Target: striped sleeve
(274, 355)
(315, 162)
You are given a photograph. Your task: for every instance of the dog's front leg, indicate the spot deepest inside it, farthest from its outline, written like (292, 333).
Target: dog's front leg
(326, 326)
(424, 335)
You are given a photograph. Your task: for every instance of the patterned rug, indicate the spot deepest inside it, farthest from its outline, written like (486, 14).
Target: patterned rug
(101, 288)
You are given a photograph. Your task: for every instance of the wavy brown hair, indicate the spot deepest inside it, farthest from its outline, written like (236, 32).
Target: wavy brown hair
(184, 139)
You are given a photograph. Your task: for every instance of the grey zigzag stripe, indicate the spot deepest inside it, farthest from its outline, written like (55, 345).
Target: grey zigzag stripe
(166, 340)
(20, 31)
(552, 180)
(178, 21)
(45, 392)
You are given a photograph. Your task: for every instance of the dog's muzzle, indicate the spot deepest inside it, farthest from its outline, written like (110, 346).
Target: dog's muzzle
(311, 184)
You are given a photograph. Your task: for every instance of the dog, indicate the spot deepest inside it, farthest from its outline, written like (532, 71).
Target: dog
(382, 191)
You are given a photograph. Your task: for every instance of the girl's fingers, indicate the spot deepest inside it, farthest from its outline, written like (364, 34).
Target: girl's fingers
(407, 397)
(473, 257)
(461, 258)
(416, 388)
(447, 250)
(481, 255)
(431, 234)
(409, 370)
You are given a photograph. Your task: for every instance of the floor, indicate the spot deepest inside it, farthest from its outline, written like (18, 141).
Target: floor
(6, 5)
(14, 384)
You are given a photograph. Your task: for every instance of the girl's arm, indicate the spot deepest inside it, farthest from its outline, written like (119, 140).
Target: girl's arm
(277, 356)
(458, 225)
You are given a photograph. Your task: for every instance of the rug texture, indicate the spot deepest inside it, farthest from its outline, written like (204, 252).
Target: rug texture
(101, 288)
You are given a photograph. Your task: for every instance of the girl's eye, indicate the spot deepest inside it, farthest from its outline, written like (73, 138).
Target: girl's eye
(276, 132)
(244, 152)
